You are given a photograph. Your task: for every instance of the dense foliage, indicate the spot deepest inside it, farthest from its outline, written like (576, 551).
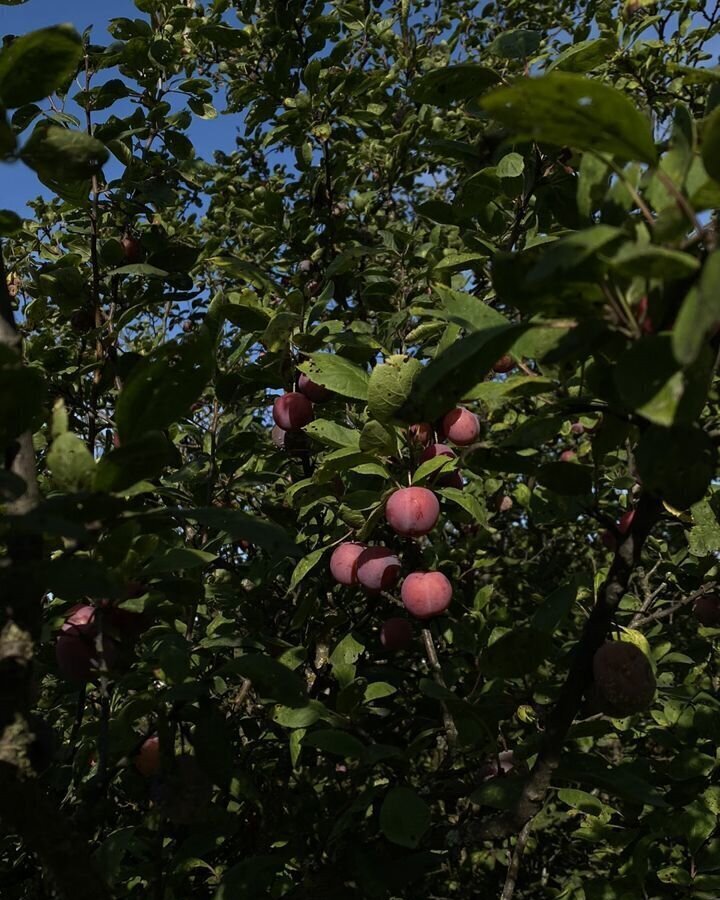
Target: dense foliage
(507, 208)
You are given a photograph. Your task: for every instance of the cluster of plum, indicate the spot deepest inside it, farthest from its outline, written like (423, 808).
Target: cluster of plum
(411, 512)
(95, 634)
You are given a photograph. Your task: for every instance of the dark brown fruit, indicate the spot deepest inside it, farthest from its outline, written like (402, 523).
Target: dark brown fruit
(624, 679)
(707, 610)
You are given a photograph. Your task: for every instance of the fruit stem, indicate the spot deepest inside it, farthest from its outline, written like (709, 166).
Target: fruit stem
(434, 663)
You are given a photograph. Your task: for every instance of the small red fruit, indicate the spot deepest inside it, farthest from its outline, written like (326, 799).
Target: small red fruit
(623, 526)
(412, 511)
(707, 610)
(132, 249)
(461, 426)
(378, 569)
(452, 480)
(147, 761)
(503, 503)
(292, 411)
(426, 594)
(315, 392)
(420, 434)
(505, 364)
(75, 649)
(344, 562)
(436, 450)
(396, 634)
(567, 456)
(647, 326)
(577, 428)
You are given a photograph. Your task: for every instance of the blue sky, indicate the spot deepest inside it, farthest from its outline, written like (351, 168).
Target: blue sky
(18, 182)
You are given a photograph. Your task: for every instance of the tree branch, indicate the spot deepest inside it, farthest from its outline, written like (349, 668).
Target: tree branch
(567, 706)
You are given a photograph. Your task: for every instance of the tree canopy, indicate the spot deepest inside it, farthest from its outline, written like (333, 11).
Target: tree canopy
(359, 515)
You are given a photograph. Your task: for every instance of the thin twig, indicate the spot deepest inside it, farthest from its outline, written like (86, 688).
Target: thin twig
(434, 662)
(516, 859)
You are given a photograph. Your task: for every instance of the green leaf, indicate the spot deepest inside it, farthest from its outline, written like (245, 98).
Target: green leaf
(337, 374)
(555, 608)
(517, 653)
(378, 690)
(390, 386)
(650, 382)
(238, 525)
(566, 478)
(163, 387)
(699, 315)
(304, 566)
(459, 262)
(10, 223)
(677, 463)
(466, 310)
(271, 679)
(573, 251)
(465, 501)
(298, 717)
(448, 377)
(512, 165)
(445, 86)
(519, 43)
(534, 431)
(711, 144)
(496, 393)
(332, 434)
(59, 153)
(569, 110)
(145, 457)
(586, 803)
(584, 55)
(704, 536)
(651, 261)
(36, 64)
(339, 743)
(404, 817)
(378, 438)
(618, 780)
(22, 394)
(179, 559)
(71, 463)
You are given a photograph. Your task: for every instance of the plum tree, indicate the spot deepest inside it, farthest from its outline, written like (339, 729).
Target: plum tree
(412, 511)
(426, 594)
(377, 569)
(396, 634)
(344, 562)
(623, 677)
(292, 411)
(461, 426)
